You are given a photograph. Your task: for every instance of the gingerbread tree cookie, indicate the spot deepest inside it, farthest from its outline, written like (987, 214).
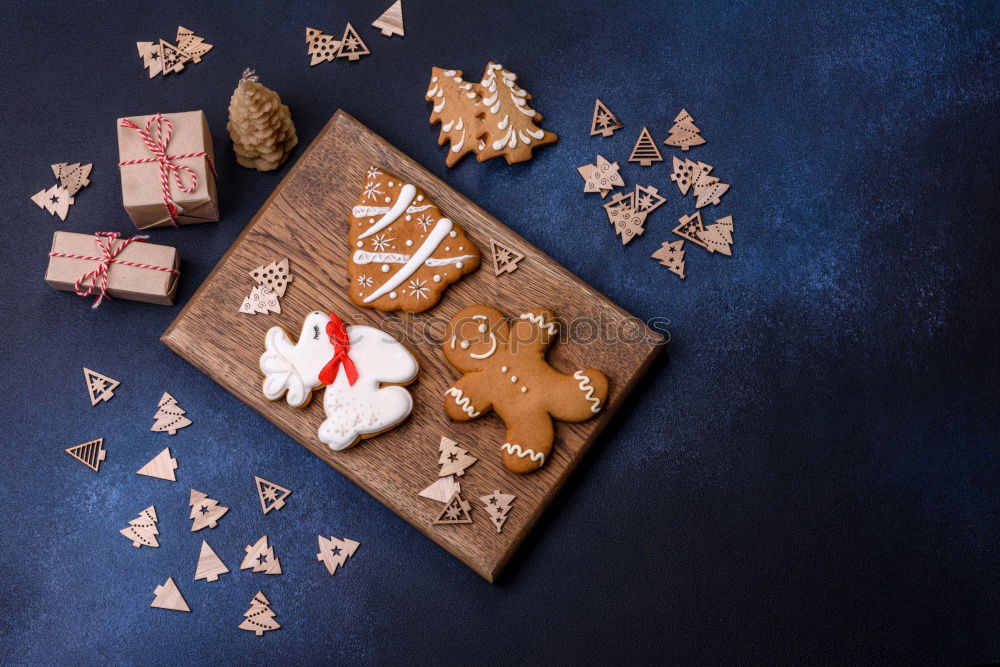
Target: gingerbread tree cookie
(457, 108)
(406, 252)
(510, 125)
(505, 371)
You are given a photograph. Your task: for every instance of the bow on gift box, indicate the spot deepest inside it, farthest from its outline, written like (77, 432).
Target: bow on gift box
(337, 331)
(158, 147)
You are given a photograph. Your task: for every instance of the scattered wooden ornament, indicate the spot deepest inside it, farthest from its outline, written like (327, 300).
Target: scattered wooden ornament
(719, 237)
(169, 416)
(601, 177)
(690, 227)
(684, 134)
(100, 387)
(275, 276)
(162, 466)
(321, 47)
(622, 214)
(272, 496)
(73, 176)
(605, 122)
(504, 259)
(442, 490)
(645, 151)
(152, 59)
(647, 199)
(453, 459)
(260, 558)
(259, 618)
(205, 512)
(391, 21)
(709, 191)
(168, 596)
(351, 45)
(260, 301)
(334, 553)
(192, 45)
(89, 453)
(56, 200)
(142, 529)
(210, 566)
(455, 511)
(687, 172)
(172, 57)
(671, 255)
(497, 506)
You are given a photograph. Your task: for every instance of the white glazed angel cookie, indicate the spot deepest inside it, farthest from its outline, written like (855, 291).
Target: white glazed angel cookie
(353, 362)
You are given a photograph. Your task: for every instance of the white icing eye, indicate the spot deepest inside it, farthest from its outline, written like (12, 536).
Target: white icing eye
(465, 345)
(392, 295)
(513, 378)
(385, 268)
(483, 328)
(437, 278)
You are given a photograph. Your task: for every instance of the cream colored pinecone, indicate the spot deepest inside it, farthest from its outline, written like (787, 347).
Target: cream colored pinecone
(260, 125)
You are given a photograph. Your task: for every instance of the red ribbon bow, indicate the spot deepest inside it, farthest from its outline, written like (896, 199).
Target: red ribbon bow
(337, 331)
(158, 148)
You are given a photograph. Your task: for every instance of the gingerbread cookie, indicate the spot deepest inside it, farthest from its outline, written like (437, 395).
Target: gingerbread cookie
(505, 371)
(405, 252)
(353, 362)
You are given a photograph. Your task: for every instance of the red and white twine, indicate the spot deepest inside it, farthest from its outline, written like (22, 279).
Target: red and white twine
(158, 147)
(99, 276)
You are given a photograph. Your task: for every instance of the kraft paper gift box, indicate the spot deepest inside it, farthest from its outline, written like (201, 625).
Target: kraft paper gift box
(150, 285)
(142, 188)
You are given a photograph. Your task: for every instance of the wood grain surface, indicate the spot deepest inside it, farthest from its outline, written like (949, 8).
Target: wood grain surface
(305, 219)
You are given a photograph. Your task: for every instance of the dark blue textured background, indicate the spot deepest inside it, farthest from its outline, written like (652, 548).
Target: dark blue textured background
(809, 475)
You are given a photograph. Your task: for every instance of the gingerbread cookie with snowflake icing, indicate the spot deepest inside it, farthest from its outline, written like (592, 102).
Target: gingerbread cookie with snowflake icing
(505, 371)
(404, 250)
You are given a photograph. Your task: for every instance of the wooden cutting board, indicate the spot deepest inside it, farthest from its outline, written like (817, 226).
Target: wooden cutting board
(305, 220)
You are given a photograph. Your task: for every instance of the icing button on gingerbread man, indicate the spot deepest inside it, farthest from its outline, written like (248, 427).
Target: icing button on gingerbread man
(505, 371)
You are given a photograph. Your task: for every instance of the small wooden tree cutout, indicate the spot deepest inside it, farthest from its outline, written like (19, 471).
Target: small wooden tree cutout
(89, 453)
(601, 177)
(622, 214)
(647, 199)
(259, 618)
(210, 566)
(321, 47)
(455, 511)
(351, 45)
(497, 506)
(718, 237)
(56, 200)
(671, 255)
(690, 227)
(260, 558)
(275, 276)
(169, 416)
(272, 496)
(504, 259)
(162, 466)
(100, 387)
(142, 529)
(442, 490)
(168, 596)
(605, 122)
(192, 45)
(453, 459)
(687, 173)
(709, 190)
(173, 58)
(260, 301)
(334, 553)
(152, 58)
(645, 151)
(684, 134)
(391, 21)
(205, 512)
(72, 176)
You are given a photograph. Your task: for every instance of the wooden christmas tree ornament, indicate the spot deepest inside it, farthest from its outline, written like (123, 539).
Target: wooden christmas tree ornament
(334, 553)
(192, 45)
(89, 453)
(142, 529)
(169, 416)
(647, 200)
(275, 276)
(260, 126)
(497, 506)
(72, 177)
(162, 466)
(684, 134)
(686, 173)
(259, 618)
(56, 200)
(455, 511)
(671, 255)
(168, 596)
(645, 151)
(391, 21)
(718, 237)
(622, 214)
(210, 566)
(321, 47)
(260, 301)
(709, 190)
(604, 122)
(205, 512)
(100, 387)
(601, 177)
(272, 496)
(152, 58)
(351, 45)
(260, 558)
(453, 459)
(173, 59)
(690, 228)
(504, 259)
(442, 490)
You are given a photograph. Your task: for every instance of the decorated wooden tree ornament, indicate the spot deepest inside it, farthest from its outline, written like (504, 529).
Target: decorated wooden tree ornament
(709, 190)
(152, 58)
(647, 199)
(260, 301)
(509, 125)
(56, 200)
(455, 511)
(504, 259)
(210, 566)
(89, 453)
(690, 227)
(142, 529)
(686, 173)
(684, 134)
(169, 416)
(601, 177)
(391, 20)
(453, 459)
(671, 255)
(72, 177)
(351, 45)
(272, 496)
(205, 512)
(718, 237)
(497, 506)
(321, 47)
(99, 387)
(645, 151)
(334, 553)
(622, 214)
(168, 596)
(275, 275)
(161, 466)
(173, 58)
(442, 490)
(260, 126)
(457, 107)
(604, 122)
(192, 45)
(259, 618)
(260, 558)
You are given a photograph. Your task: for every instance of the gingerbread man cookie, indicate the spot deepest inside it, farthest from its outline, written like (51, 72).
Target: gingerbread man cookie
(505, 371)
(404, 251)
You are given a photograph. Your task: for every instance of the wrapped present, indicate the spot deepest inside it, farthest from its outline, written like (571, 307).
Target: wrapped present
(167, 169)
(107, 266)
